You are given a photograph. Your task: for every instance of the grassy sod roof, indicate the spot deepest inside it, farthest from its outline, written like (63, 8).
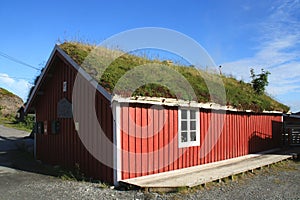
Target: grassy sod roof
(110, 66)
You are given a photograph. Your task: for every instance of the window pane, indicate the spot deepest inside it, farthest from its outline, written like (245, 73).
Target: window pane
(193, 136)
(183, 136)
(193, 125)
(183, 114)
(193, 114)
(183, 125)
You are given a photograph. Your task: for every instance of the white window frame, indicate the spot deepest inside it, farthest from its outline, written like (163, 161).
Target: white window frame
(188, 143)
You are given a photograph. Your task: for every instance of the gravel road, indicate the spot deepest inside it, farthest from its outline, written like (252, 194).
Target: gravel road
(23, 178)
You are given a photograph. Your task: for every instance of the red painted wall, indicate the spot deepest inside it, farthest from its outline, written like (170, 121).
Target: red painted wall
(66, 148)
(144, 153)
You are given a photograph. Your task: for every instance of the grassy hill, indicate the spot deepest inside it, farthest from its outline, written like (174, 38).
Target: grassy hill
(9, 103)
(239, 94)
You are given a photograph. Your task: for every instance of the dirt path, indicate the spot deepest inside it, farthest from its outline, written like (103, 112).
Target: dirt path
(23, 178)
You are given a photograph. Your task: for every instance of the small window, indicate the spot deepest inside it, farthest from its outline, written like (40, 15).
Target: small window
(189, 127)
(64, 86)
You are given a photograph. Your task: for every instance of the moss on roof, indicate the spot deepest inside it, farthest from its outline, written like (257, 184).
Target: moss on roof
(110, 66)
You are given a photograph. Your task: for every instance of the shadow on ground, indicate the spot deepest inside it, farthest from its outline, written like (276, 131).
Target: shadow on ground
(17, 153)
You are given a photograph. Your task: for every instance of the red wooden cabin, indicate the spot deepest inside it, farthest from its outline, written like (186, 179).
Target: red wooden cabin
(112, 138)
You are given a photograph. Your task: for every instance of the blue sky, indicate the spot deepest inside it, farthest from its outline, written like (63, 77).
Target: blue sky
(238, 34)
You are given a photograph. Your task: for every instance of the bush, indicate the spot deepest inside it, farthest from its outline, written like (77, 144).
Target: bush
(259, 81)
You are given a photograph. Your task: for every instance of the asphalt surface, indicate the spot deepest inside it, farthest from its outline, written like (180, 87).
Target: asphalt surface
(21, 177)
(12, 139)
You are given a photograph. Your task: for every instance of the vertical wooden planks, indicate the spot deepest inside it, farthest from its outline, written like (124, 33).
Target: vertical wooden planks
(150, 141)
(175, 139)
(125, 142)
(144, 143)
(171, 145)
(233, 141)
(166, 141)
(132, 142)
(66, 148)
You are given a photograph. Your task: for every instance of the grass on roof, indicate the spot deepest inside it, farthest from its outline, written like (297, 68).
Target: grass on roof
(115, 79)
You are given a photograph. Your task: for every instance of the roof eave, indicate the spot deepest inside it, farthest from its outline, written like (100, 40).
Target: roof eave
(182, 103)
(33, 93)
(80, 70)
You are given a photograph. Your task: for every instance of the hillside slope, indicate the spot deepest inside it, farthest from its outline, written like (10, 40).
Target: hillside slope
(239, 95)
(9, 103)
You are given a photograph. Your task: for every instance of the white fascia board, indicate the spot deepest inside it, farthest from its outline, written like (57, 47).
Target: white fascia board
(117, 175)
(181, 103)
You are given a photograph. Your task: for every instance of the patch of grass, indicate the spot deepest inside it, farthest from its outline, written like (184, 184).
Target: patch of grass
(183, 190)
(226, 180)
(77, 175)
(68, 176)
(212, 184)
(11, 122)
(78, 51)
(239, 94)
(6, 92)
(287, 165)
(103, 185)
(72, 175)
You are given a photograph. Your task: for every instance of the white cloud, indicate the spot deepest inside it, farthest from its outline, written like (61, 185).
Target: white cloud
(4, 78)
(277, 89)
(278, 51)
(295, 105)
(19, 87)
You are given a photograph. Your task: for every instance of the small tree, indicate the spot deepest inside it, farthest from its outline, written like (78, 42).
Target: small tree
(259, 81)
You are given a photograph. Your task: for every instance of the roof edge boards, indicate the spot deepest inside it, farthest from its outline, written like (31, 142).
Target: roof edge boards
(181, 103)
(80, 70)
(292, 116)
(39, 80)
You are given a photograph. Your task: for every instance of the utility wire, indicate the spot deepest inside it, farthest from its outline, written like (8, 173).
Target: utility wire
(17, 61)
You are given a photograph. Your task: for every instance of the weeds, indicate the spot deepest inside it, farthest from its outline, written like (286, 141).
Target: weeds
(274, 168)
(103, 185)
(72, 175)
(11, 122)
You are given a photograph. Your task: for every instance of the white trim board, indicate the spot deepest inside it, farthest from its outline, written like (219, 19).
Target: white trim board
(183, 103)
(117, 176)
